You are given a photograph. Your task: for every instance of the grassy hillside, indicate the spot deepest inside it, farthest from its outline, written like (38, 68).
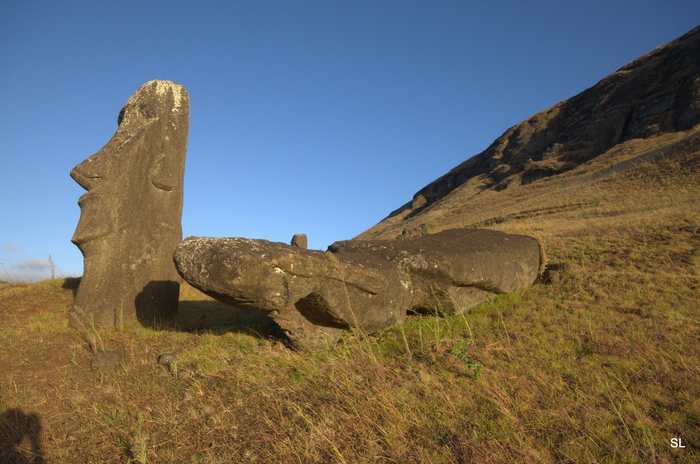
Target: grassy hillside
(600, 364)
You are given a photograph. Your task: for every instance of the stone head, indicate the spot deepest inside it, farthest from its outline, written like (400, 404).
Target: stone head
(130, 215)
(133, 171)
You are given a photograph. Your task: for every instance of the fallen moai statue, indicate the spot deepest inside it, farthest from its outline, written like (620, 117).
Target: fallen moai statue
(369, 285)
(453, 270)
(130, 216)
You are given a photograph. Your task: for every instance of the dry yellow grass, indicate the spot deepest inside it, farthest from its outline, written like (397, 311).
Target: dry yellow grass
(599, 366)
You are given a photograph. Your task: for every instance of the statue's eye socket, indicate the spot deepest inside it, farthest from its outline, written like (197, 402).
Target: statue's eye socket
(161, 177)
(161, 185)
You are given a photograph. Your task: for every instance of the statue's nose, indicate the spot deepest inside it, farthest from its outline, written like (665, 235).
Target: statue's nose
(90, 172)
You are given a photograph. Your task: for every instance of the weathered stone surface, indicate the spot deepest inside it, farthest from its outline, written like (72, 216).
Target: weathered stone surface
(454, 270)
(300, 241)
(310, 294)
(359, 284)
(130, 216)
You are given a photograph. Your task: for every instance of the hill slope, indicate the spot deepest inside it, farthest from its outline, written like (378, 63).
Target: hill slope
(642, 112)
(599, 365)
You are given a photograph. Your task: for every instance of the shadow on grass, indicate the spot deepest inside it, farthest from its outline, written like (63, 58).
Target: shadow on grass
(16, 429)
(217, 317)
(194, 315)
(199, 315)
(72, 284)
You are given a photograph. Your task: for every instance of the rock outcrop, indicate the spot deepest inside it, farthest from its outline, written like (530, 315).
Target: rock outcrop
(453, 270)
(299, 241)
(130, 216)
(655, 94)
(310, 294)
(370, 285)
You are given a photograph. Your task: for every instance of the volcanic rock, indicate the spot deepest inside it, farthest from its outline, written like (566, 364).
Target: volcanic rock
(368, 285)
(310, 294)
(130, 216)
(656, 94)
(300, 241)
(453, 270)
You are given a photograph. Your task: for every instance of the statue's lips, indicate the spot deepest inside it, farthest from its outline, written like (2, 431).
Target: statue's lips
(90, 196)
(90, 207)
(84, 197)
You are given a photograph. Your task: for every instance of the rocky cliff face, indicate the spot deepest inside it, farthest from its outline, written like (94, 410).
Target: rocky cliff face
(656, 94)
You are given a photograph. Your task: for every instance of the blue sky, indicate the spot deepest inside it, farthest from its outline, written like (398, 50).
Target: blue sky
(316, 117)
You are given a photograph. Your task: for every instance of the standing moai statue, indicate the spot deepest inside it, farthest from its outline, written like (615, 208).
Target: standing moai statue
(299, 241)
(130, 217)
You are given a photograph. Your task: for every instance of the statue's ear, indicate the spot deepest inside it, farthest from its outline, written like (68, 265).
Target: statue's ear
(163, 175)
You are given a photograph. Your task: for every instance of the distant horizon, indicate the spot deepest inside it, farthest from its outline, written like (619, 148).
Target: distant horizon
(316, 119)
